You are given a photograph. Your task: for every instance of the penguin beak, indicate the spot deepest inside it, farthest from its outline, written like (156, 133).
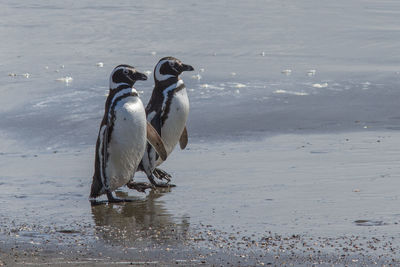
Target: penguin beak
(139, 76)
(185, 67)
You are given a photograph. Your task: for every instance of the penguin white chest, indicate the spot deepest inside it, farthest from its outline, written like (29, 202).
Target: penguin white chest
(127, 142)
(176, 120)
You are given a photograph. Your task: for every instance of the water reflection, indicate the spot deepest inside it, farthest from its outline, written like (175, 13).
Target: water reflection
(142, 222)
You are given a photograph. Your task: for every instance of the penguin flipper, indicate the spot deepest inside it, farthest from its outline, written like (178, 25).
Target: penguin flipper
(103, 149)
(156, 142)
(97, 187)
(183, 140)
(156, 122)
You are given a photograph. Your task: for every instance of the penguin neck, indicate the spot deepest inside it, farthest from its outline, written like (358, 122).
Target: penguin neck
(162, 92)
(168, 85)
(116, 86)
(119, 86)
(120, 92)
(167, 82)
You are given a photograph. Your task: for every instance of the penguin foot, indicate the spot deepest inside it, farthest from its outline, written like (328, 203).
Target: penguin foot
(112, 199)
(161, 174)
(161, 185)
(141, 187)
(164, 185)
(94, 202)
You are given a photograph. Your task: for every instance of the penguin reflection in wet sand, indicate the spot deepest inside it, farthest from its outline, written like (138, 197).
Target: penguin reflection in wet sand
(167, 111)
(122, 136)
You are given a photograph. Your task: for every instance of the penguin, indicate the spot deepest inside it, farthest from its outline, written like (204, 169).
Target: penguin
(167, 111)
(122, 136)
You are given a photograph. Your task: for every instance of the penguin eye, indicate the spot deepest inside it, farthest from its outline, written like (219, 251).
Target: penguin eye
(126, 71)
(171, 63)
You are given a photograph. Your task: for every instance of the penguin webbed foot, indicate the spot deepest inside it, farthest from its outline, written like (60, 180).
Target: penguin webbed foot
(140, 187)
(161, 185)
(94, 202)
(161, 174)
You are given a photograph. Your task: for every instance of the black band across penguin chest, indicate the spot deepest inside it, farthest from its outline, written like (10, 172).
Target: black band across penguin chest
(110, 107)
(168, 101)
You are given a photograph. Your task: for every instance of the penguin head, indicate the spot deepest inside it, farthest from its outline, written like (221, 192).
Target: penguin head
(125, 74)
(169, 67)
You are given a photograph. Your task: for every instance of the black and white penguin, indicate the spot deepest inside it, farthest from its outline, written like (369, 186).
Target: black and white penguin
(122, 136)
(167, 111)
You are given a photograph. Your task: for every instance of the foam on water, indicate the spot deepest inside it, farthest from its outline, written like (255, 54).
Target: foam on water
(320, 85)
(290, 92)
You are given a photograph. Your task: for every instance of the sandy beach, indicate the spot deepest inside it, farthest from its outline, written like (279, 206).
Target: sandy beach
(288, 199)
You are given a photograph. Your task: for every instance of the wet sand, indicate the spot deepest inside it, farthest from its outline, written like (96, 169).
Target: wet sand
(296, 200)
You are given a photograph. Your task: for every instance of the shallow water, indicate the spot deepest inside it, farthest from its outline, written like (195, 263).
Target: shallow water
(296, 70)
(239, 51)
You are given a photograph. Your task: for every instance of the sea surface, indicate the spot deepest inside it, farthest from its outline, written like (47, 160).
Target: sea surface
(263, 69)
(260, 67)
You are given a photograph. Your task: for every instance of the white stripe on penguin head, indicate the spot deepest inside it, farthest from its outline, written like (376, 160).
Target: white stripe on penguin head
(158, 75)
(114, 85)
